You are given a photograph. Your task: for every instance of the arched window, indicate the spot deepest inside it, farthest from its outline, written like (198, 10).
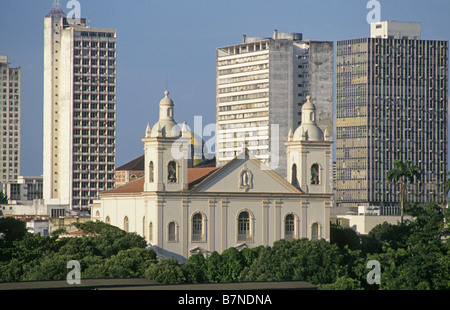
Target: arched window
(125, 224)
(144, 227)
(315, 174)
(198, 227)
(97, 213)
(172, 172)
(294, 180)
(289, 227)
(315, 231)
(107, 220)
(172, 232)
(150, 231)
(244, 233)
(151, 169)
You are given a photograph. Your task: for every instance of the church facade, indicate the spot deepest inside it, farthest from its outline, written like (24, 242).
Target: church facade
(182, 210)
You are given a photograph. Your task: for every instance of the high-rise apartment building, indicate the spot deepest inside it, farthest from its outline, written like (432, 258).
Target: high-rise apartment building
(262, 84)
(79, 110)
(10, 121)
(392, 98)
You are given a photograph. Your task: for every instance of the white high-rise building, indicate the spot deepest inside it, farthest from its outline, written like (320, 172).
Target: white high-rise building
(79, 110)
(10, 121)
(262, 84)
(395, 30)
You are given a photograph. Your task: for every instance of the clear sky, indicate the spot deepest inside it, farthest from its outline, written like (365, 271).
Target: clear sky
(173, 43)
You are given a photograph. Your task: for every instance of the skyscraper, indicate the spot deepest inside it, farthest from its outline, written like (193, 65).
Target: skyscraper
(10, 121)
(392, 101)
(262, 84)
(79, 110)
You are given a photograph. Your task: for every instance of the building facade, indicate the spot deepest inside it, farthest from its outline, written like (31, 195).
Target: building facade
(25, 188)
(10, 102)
(262, 84)
(182, 211)
(392, 98)
(79, 110)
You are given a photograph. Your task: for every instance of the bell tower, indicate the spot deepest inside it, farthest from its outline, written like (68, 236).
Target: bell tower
(166, 147)
(309, 154)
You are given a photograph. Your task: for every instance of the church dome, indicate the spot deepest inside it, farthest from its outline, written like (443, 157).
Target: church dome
(166, 101)
(308, 130)
(166, 126)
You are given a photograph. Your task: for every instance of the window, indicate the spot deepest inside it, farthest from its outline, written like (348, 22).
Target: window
(197, 227)
(172, 234)
(315, 231)
(143, 227)
(315, 174)
(125, 224)
(172, 172)
(150, 231)
(151, 173)
(289, 227)
(244, 227)
(294, 180)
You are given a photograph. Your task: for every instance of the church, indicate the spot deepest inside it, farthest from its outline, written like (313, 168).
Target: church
(182, 210)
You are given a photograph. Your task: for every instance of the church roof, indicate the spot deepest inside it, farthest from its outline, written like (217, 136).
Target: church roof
(195, 176)
(136, 186)
(136, 164)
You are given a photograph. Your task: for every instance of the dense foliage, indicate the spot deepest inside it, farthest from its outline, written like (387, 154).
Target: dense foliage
(412, 255)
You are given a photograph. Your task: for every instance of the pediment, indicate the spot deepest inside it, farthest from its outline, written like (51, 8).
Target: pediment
(245, 173)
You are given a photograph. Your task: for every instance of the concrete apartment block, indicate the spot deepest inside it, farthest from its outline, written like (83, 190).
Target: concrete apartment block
(79, 111)
(262, 84)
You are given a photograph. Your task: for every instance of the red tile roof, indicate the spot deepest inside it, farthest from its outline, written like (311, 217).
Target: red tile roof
(134, 165)
(195, 176)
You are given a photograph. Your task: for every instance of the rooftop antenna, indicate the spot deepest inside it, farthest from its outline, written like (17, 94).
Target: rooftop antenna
(56, 10)
(166, 80)
(56, 4)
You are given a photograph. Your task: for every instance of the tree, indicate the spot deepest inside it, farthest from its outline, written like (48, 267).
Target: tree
(447, 187)
(403, 172)
(232, 264)
(131, 263)
(429, 224)
(166, 271)
(11, 271)
(194, 269)
(386, 235)
(344, 236)
(213, 263)
(51, 267)
(11, 230)
(33, 247)
(342, 283)
(4, 200)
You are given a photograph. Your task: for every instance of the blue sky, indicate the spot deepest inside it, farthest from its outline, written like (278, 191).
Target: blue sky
(173, 43)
